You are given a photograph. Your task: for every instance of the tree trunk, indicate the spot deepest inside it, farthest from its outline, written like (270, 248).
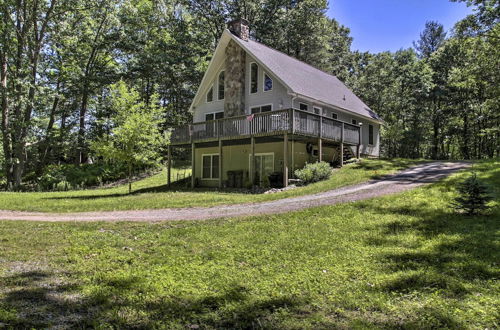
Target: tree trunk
(435, 131)
(46, 146)
(81, 130)
(6, 137)
(129, 178)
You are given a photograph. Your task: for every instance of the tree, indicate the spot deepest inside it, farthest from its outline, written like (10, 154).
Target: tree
(135, 137)
(473, 196)
(430, 40)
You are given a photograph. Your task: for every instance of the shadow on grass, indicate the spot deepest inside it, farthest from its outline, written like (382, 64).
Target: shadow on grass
(156, 189)
(453, 249)
(393, 163)
(41, 299)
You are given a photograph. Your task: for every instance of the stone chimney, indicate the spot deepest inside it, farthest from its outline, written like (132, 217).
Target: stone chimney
(239, 27)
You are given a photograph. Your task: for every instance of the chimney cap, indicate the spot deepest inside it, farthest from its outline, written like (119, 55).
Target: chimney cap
(241, 20)
(240, 28)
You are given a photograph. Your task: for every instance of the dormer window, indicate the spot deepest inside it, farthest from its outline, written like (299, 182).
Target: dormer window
(221, 86)
(254, 78)
(210, 94)
(268, 83)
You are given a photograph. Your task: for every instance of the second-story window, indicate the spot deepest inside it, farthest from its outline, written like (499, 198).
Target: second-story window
(317, 110)
(303, 107)
(221, 86)
(268, 83)
(334, 115)
(210, 94)
(261, 108)
(354, 121)
(214, 115)
(254, 78)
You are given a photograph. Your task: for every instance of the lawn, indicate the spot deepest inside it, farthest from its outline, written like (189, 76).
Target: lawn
(152, 193)
(403, 261)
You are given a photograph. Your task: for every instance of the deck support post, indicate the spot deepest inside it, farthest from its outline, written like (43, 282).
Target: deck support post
(320, 150)
(169, 165)
(285, 160)
(193, 172)
(342, 146)
(252, 161)
(358, 149)
(220, 164)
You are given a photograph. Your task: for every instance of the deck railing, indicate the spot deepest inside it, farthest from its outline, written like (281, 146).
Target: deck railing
(291, 121)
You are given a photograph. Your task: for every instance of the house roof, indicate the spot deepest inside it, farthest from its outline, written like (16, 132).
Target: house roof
(299, 78)
(305, 80)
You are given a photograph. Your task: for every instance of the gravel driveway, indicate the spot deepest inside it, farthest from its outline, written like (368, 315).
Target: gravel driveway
(402, 181)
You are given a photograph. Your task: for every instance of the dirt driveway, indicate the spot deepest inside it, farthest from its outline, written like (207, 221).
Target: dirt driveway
(402, 181)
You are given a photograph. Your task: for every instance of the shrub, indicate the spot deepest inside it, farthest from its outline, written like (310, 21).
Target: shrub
(68, 176)
(314, 172)
(473, 196)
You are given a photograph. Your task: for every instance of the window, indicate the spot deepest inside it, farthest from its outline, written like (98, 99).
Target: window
(261, 108)
(354, 121)
(214, 115)
(210, 94)
(335, 116)
(268, 83)
(221, 86)
(370, 134)
(303, 106)
(210, 166)
(254, 78)
(317, 110)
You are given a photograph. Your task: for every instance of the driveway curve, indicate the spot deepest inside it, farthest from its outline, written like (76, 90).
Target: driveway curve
(399, 182)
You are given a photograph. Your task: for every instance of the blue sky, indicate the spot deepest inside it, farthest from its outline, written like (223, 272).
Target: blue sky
(380, 25)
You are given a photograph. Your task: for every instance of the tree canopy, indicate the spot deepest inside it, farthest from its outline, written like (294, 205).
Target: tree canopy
(58, 60)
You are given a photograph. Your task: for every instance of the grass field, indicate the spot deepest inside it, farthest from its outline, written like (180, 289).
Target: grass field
(152, 193)
(403, 261)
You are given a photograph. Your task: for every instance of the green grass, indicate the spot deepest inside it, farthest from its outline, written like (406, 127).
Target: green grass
(403, 261)
(152, 192)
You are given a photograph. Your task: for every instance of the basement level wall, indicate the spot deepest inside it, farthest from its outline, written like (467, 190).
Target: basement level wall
(236, 158)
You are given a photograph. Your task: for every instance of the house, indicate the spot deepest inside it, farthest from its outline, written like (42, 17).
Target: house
(259, 115)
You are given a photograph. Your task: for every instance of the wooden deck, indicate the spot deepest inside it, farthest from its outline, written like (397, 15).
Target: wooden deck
(280, 122)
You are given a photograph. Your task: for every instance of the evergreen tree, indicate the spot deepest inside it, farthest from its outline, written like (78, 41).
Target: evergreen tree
(430, 40)
(473, 196)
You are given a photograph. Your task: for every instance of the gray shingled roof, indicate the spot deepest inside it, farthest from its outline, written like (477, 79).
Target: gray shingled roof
(306, 80)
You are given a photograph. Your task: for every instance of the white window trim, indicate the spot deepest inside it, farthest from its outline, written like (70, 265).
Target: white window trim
(264, 74)
(305, 105)
(218, 78)
(211, 167)
(213, 92)
(260, 106)
(353, 119)
(336, 115)
(260, 154)
(250, 78)
(320, 110)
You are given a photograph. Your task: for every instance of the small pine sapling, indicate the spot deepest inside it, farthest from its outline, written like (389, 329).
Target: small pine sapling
(473, 196)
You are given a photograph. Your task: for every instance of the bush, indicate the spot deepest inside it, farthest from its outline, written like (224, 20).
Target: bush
(474, 196)
(68, 176)
(314, 172)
